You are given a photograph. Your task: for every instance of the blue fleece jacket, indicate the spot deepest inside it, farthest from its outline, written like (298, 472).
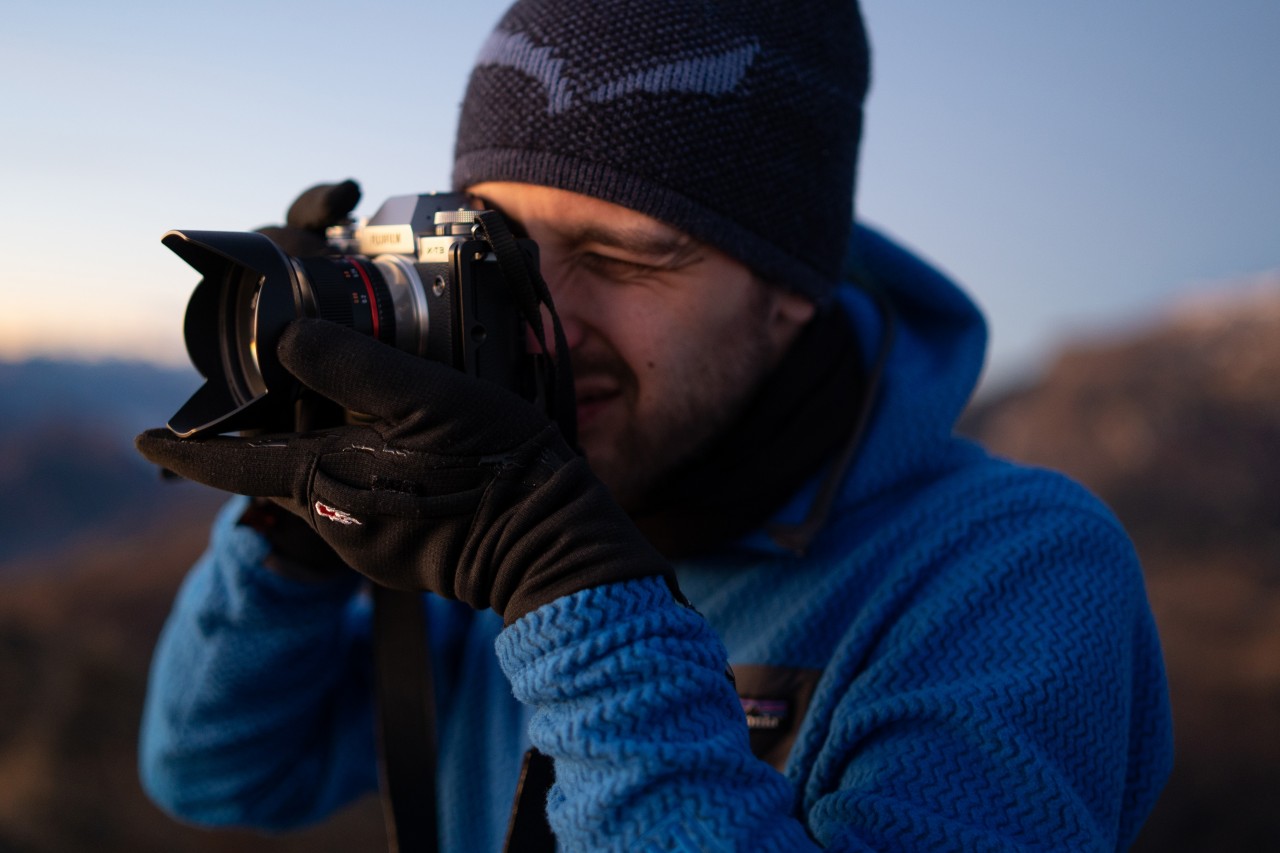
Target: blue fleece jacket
(963, 659)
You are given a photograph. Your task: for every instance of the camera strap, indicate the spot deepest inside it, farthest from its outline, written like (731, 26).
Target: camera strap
(531, 294)
(402, 662)
(406, 720)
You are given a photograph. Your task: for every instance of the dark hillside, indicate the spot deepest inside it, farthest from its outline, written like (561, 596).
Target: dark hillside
(93, 546)
(67, 464)
(77, 627)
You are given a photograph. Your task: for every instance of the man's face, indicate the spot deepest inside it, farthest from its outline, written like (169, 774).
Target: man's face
(668, 336)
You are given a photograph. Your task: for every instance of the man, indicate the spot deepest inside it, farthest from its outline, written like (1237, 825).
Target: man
(929, 648)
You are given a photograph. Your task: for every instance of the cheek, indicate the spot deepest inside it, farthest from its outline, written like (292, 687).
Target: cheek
(642, 331)
(658, 344)
(670, 335)
(672, 360)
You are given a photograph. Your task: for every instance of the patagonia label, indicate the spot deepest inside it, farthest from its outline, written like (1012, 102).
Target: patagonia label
(766, 714)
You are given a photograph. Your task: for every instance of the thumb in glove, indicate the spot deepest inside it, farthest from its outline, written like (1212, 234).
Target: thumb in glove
(319, 207)
(454, 485)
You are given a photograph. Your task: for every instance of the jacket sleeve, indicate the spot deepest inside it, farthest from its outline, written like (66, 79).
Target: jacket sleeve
(259, 708)
(634, 703)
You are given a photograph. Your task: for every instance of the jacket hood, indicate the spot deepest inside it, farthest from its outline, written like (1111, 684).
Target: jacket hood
(927, 341)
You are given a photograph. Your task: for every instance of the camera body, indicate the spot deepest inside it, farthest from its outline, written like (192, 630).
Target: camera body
(419, 275)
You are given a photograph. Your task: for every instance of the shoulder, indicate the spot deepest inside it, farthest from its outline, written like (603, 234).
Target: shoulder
(972, 502)
(983, 537)
(999, 623)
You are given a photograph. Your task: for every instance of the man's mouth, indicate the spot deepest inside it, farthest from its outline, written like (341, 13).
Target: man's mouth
(593, 398)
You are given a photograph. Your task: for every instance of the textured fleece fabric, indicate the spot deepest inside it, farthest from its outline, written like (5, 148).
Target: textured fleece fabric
(991, 677)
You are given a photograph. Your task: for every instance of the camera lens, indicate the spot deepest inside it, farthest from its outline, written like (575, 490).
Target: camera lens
(350, 291)
(249, 293)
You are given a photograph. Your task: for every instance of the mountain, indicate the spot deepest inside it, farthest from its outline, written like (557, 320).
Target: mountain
(77, 626)
(67, 464)
(93, 546)
(1177, 427)
(119, 395)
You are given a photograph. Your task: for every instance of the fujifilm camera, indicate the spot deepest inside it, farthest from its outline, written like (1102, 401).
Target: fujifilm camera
(418, 276)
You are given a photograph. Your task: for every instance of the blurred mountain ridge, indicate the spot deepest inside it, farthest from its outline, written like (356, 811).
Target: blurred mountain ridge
(67, 464)
(93, 546)
(118, 394)
(1174, 424)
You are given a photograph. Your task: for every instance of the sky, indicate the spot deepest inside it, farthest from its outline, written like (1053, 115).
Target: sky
(1076, 166)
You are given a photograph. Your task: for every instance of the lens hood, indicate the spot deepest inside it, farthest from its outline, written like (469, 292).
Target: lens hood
(248, 294)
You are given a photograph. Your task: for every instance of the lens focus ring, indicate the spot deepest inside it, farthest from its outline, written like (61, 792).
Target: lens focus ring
(350, 291)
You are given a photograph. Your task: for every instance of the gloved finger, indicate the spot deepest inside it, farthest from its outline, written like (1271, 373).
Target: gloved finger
(366, 376)
(298, 242)
(323, 205)
(245, 466)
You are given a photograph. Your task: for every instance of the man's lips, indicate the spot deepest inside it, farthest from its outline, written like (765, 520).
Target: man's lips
(593, 398)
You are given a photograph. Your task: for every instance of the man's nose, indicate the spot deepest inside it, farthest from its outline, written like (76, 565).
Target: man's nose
(569, 321)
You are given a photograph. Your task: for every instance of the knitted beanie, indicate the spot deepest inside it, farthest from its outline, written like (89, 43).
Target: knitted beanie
(736, 121)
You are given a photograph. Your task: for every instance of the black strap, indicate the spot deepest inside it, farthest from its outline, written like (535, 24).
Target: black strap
(406, 720)
(405, 687)
(528, 830)
(531, 294)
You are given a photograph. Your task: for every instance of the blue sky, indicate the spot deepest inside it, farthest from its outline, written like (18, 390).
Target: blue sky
(1076, 165)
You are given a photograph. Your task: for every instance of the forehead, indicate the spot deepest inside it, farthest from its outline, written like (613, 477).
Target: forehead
(569, 216)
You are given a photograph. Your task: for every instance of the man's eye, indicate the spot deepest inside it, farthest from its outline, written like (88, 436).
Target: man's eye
(612, 266)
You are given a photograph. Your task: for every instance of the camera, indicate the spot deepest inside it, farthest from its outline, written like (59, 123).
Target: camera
(420, 275)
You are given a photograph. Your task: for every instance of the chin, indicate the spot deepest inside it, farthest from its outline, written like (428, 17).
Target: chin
(620, 482)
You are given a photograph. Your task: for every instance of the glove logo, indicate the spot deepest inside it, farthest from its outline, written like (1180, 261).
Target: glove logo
(333, 514)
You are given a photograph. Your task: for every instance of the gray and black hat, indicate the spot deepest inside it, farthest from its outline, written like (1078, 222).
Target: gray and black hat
(737, 122)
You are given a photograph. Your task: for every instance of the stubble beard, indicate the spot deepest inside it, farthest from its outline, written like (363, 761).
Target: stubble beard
(651, 438)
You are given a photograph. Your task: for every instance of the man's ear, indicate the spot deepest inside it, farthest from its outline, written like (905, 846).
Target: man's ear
(791, 312)
(794, 309)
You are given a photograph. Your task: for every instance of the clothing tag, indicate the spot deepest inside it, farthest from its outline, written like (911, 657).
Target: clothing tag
(766, 714)
(774, 700)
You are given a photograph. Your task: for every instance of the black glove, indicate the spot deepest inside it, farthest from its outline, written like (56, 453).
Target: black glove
(302, 234)
(296, 551)
(455, 485)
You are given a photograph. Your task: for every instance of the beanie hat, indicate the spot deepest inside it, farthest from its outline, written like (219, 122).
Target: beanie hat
(736, 121)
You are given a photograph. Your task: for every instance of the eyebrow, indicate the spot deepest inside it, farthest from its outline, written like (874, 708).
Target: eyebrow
(676, 247)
